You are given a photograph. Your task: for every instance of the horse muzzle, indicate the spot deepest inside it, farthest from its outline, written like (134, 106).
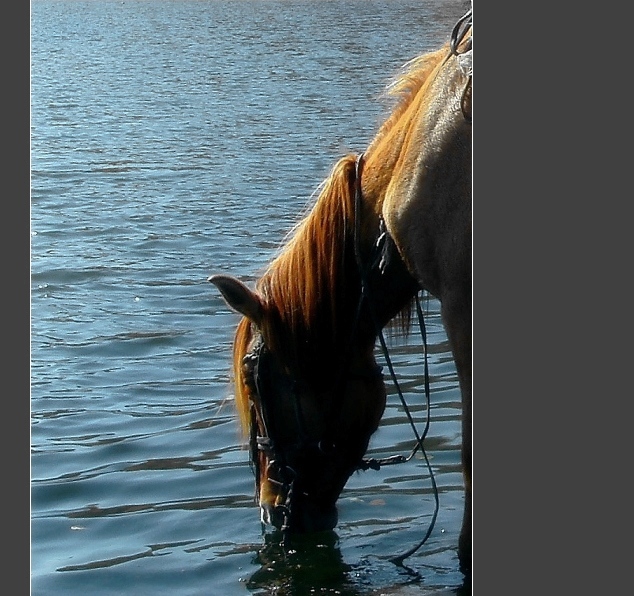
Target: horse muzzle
(303, 517)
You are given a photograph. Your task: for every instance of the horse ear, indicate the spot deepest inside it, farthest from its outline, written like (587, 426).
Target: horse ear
(239, 297)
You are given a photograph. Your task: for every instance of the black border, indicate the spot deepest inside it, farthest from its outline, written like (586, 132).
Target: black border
(16, 294)
(541, 280)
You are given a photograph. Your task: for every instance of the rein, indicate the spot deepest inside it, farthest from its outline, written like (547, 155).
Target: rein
(372, 463)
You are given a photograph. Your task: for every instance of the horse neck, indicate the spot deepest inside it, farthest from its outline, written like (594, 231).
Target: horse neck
(395, 174)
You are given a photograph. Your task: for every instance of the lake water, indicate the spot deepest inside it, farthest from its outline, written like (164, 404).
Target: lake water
(172, 140)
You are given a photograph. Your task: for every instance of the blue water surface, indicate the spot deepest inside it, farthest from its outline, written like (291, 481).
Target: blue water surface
(173, 139)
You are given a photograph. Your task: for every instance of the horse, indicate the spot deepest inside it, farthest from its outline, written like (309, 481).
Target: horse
(385, 225)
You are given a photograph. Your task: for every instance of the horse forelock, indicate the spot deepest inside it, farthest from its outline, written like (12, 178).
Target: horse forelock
(241, 342)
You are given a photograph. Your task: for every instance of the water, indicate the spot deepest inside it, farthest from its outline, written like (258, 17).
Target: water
(172, 140)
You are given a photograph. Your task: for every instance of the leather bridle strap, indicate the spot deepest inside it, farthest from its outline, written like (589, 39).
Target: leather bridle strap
(366, 294)
(458, 33)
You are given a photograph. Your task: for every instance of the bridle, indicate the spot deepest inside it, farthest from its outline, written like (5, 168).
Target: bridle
(264, 436)
(262, 430)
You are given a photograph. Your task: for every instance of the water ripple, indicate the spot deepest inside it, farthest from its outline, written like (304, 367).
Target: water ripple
(170, 141)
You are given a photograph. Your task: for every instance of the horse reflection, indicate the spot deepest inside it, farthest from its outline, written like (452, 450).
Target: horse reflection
(313, 565)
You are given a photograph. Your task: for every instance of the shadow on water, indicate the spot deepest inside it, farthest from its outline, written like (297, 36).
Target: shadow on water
(310, 564)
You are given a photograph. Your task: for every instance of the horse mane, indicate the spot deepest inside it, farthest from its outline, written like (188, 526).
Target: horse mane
(304, 286)
(406, 87)
(311, 264)
(307, 284)
(309, 287)
(241, 343)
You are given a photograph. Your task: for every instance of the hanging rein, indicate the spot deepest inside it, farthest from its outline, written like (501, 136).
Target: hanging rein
(366, 294)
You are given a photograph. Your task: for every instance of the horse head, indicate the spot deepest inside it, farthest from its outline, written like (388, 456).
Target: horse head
(307, 428)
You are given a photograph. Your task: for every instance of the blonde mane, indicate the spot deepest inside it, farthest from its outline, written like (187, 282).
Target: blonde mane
(407, 85)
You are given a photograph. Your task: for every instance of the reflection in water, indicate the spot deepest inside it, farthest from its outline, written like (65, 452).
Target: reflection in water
(314, 564)
(309, 562)
(465, 588)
